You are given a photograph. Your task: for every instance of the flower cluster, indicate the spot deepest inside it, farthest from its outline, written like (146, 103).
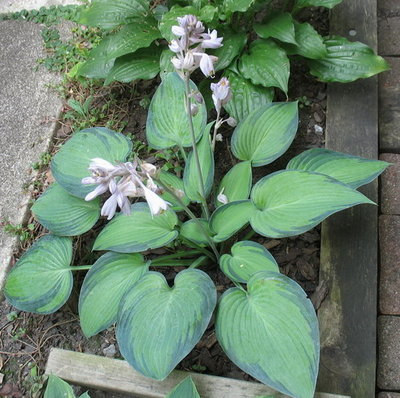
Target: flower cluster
(123, 181)
(191, 44)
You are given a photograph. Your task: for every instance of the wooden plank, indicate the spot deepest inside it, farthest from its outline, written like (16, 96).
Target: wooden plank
(117, 376)
(349, 239)
(389, 27)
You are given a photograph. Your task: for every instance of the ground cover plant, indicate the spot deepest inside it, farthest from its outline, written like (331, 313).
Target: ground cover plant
(265, 323)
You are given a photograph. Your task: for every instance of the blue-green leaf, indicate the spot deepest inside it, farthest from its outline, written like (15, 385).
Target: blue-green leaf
(64, 214)
(158, 326)
(168, 126)
(193, 232)
(138, 231)
(247, 258)
(185, 389)
(110, 277)
(291, 202)
(271, 332)
(174, 183)
(266, 133)
(58, 388)
(41, 281)
(71, 162)
(348, 169)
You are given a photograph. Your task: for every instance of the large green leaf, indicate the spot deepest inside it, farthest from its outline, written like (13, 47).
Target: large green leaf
(238, 5)
(280, 26)
(143, 64)
(110, 14)
(64, 214)
(193, 232)
(191, 177)
(158, 326)
(233, 45)
(138, 231)
(266, 133)
(309, 43)
(110, 277)
(71, 162)
(132, 37)
(176, 184)
(266, 64)
(185, 389)
(236, 184)
(166, 65)
(167, 121)
(351, 170)
(41, 281)
(291, 202)
(271, 332)
(230, 218)
(247, 258)
(169, 19)
(346, 61)
(58, 388)
(246, 97)
(316, 3)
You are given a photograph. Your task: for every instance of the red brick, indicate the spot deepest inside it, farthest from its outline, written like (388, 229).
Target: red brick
(390, 185)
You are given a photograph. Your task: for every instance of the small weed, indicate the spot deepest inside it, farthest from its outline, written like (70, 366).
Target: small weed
(12, 316)
(34, 382)
(303, 102)
(18, 334)
(145, 102)
(45, 159)
(24, 233)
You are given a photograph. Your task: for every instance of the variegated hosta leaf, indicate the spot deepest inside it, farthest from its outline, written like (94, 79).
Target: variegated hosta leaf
(58, 388)
(110, 14)
(185, 389)
(174, 183)
(191, 177)
(266, 133)
(280, 26)
(168, 126)
(142, 64)
(166, 66)
(266, 64)
(158, 326)
(246, 97)
(236, 183)
(41, 281)
(348, 169)
(291, 202)
(247, 258)
(316, 3)
(64, 214)
(138, 231)
(71, 162)
(193, 232)
(230, 218)
(110, 277)
(346, 61)
(271, 332)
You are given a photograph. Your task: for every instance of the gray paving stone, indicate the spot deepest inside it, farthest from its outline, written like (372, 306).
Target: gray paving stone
(388, 27)
(7, 6)
(28, 113)
(388, 395)
(389, 353)
(390, 184)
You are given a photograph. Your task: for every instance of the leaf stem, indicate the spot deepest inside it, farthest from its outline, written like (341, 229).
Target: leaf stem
(198, 262)
(199, 248)
(186, 253)
(80, 267)
(173, 263)
(216, 127)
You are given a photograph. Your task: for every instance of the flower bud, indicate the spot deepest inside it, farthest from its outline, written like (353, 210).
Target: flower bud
(194, 109)
(231, 121)
(218, 137)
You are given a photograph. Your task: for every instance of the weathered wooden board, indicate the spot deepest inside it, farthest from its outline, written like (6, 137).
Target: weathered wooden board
(389, 27)
(117, 376)
(349, 239)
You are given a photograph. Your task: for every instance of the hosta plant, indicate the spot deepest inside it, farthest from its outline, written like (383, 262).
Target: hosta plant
(265, 323)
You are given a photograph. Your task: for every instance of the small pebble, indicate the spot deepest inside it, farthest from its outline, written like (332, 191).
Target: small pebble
(110, 351)
(318, 129)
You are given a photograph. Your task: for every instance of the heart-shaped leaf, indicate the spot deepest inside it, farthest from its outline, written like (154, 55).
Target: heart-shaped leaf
(143, 64)
(347, 61)
(158, 326)
(168, 126)
(247, 258)
(348, 169)
(230, 218)
(64, 214)
(185, 389)
(71, 162)
(169, 19)
(176, 184)
(58, 388)
(238, 5)
(236, 183)
(138, 231)
(110, 14)
(194, 233)
(110, 277)
(280, 26)
(166, 65)
(291, 202)
(266, 64)
(41, 281)
(191, 177)
(266, 133)
(316, 3)
(271, 332)
(246, 97)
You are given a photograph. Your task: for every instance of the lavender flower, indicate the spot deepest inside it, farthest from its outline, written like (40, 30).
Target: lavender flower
(221, 93)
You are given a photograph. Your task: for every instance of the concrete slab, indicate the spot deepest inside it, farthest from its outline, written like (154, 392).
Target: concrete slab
(7, 6)
(28, 114)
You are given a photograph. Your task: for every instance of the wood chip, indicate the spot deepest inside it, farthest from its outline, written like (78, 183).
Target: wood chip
(272, 243)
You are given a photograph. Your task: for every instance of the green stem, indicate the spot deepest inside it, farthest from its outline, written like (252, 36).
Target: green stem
(249, 235)
(183, 153)
(173, 263)
(199, 248)
(195, 151)
(80, 268)
(186, 253)
(215, 130)
(198, 262)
